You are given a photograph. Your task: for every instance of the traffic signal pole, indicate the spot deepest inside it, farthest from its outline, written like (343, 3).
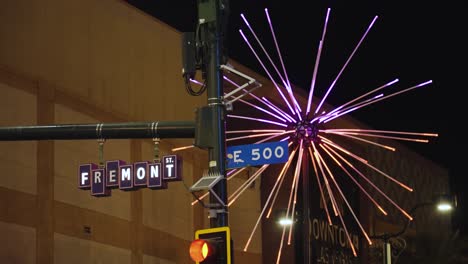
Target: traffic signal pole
(210, 22)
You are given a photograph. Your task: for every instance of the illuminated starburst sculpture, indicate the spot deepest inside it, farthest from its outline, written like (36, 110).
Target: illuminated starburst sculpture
(304, 129)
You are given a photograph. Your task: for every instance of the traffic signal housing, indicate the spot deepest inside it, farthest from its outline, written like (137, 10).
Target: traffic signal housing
(212, 246)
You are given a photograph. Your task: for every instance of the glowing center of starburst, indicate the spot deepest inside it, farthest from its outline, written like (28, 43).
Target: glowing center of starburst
(305, 130)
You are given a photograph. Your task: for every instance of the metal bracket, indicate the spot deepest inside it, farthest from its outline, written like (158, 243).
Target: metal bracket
(243, 87)
(207, 182)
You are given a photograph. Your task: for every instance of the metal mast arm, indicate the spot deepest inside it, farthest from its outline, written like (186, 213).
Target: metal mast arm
(158, 129)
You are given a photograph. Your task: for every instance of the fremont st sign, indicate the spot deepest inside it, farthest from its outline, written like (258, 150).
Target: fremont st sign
(118, 174)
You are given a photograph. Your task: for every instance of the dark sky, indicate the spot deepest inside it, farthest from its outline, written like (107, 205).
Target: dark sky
(413, 43)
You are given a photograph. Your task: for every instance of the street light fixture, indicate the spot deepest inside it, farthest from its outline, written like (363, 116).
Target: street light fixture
(443, 204)
(285, 221)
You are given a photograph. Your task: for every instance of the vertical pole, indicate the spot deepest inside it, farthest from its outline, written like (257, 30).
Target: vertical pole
(305, 209)
(212, 36)
(387, 252)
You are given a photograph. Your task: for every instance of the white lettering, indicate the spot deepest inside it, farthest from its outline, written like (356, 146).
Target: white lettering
(154, 172)
(279, 152)
(236, 156)
(267, 153)
(84, 178)
(141, 173)
(342, 237)
(169, 169)
(315, 228)
(125, 174)
(112, 175)
(255, 152)
(97, 176)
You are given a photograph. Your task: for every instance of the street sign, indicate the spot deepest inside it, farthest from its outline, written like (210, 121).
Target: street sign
(257, 154)
(129, 177)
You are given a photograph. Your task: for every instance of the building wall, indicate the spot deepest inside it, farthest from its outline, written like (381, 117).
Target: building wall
(92, 62)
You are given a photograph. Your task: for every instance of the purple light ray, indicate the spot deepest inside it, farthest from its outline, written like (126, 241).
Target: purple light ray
(344, 66)
(390, 95)
(317, 61)
(382, 131)
(288, 86)
(284, 79)
(196, 82)
(350, 109)
(263, 110)
(267, 72)
(364, 95)
(254, 131)
(264, 51)
(258, 119)
(278, 110)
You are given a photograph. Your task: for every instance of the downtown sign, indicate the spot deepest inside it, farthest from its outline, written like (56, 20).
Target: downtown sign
(117, 174)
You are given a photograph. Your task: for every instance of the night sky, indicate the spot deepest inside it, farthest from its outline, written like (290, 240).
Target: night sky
(414, 43)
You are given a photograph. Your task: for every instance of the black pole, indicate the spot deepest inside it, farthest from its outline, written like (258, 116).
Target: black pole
(157, 129)
(210, 19)
(305, 209)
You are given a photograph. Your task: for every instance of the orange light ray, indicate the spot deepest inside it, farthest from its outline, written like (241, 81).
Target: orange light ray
(327, 185)
(278, 258)
(380, 136)
(320, 187)
(374, 168)
(278, 180)
(364, 140)
(331, 143)
(370, 182)
(246, 184)
(332, 177)
(281, 183)
(228, 178)
(182, 148)
(377, 205)
(256, 135)
(297, 176)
